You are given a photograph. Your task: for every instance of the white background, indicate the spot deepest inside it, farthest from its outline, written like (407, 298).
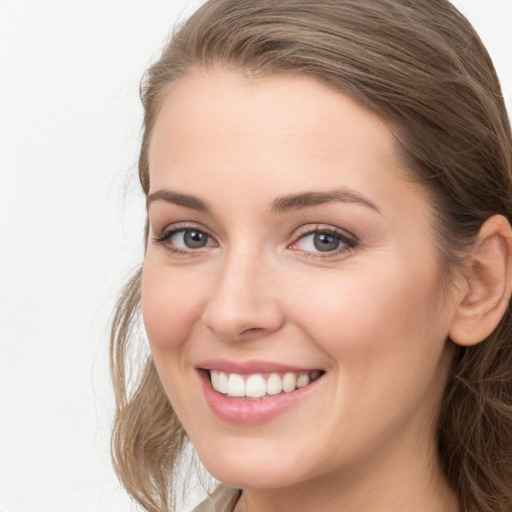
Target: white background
(71, 219)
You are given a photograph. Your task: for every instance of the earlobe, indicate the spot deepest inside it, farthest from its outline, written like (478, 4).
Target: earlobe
(488, 284)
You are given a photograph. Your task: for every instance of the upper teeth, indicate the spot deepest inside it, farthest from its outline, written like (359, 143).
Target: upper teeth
(257, 386)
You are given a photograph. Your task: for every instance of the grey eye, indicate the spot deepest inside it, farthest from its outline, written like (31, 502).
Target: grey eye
(319, 241)
(324, 242)
(192, 238)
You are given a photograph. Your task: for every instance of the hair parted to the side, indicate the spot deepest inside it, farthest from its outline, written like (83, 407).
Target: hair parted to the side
(419, 65)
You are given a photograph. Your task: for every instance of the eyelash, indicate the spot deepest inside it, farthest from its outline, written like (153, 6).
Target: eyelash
(347, 241)
(168, 233)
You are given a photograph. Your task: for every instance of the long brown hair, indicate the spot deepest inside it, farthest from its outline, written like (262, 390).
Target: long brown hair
(419, 65)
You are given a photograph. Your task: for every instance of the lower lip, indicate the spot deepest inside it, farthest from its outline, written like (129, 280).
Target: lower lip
(250, 411)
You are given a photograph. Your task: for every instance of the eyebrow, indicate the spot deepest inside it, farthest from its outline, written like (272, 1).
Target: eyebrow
(308, 199)
(186, 200)
(282, 204)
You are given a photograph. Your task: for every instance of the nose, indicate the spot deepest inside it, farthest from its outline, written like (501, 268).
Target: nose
(244, 303)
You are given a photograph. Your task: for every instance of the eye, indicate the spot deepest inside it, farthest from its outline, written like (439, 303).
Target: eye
(185, 240)
(189, 239)
(323, 240)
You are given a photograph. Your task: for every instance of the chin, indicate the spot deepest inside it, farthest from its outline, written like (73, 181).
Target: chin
(241, 476)
(245, 467)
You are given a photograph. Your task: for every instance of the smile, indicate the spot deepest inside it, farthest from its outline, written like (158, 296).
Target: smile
(255, 386)
(252, 392)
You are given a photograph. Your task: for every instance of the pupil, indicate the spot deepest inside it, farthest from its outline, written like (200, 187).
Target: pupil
(194, 239)
(325, 242)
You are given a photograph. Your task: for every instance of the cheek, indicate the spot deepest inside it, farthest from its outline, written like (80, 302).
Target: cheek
(170, 309)
(391, 314)
(170, 306)
(387, 348)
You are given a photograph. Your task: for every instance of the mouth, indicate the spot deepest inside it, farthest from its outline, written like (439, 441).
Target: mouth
(254, 392)
(258, 386)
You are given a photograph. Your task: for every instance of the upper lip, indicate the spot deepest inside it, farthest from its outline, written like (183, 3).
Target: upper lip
(250, 367)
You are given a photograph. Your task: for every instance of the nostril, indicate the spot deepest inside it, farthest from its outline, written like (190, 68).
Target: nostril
(251, 330)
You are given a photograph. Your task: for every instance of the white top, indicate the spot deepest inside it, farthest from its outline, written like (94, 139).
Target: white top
(223, 499)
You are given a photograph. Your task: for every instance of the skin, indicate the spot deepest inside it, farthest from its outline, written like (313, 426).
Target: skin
(371, 316)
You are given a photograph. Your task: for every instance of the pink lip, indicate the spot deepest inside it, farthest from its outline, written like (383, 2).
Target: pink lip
(247, 411)
(248, 367)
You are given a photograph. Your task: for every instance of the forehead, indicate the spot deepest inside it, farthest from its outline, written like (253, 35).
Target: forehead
(276, 134)
(270, 111)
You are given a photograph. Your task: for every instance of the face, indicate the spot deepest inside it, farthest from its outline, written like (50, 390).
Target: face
(291, 287)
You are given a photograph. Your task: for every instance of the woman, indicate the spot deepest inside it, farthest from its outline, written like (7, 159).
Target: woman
(328, 263)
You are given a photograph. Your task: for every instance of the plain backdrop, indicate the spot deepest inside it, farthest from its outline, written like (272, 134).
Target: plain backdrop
(71, 219)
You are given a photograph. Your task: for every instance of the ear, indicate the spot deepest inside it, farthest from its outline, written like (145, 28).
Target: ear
(488, 284)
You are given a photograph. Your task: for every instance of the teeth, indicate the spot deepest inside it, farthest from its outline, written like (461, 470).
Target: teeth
(214, 376)
(236, 385)
(289, 382)
(219, 381)
(223, 382)
(314, 375)
(274, 385)
(302, 380)
(255, 386)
